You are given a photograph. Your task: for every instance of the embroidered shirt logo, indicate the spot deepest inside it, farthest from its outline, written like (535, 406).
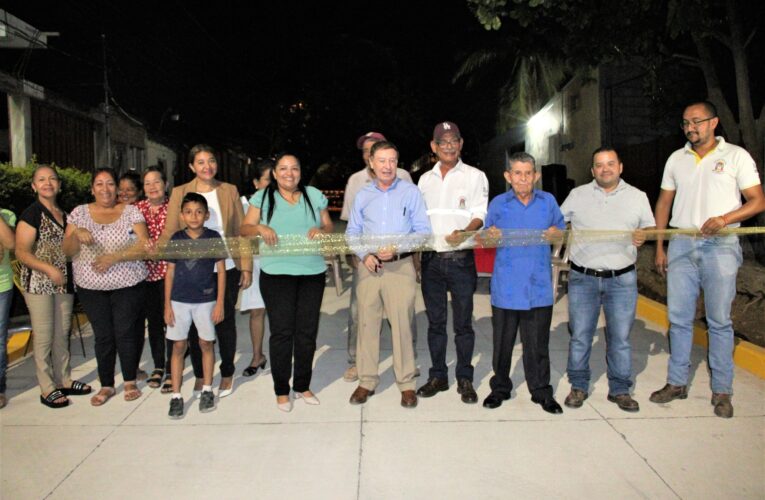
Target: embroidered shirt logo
(719, 167)
(462, 203)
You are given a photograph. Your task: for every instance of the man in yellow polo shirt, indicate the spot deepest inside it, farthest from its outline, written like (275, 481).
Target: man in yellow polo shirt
(705, 180)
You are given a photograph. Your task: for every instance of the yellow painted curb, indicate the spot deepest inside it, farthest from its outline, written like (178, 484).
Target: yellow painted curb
(16, 345)
(18, 342)
(746, 355)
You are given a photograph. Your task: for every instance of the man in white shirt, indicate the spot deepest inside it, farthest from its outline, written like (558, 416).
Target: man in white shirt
(356, 182)
(456, 196)
(603, 275)
(705, 180)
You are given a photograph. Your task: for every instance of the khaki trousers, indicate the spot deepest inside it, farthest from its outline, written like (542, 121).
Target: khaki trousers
(391, 291)
(51, 317)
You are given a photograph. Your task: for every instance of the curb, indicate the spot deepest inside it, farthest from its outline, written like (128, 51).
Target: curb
(746, 355)
(18, 342)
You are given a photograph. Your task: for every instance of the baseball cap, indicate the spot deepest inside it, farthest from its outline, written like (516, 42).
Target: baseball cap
(375, 136)
(445, 128)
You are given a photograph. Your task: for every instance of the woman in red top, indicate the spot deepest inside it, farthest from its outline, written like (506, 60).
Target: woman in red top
(154, 210)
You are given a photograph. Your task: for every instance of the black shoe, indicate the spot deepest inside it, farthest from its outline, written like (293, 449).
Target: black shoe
(549, 405)
(176, 408)
(494, 400)
(253, 369)
(206, 401)
(432, 387)
(465, 387)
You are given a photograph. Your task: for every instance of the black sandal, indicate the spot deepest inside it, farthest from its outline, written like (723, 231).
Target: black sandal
(78, 389)
(167, 386)
(155, 380)
(252, 370)
(50, 401)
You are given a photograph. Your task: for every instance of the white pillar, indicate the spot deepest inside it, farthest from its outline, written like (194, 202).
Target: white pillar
(20, 124)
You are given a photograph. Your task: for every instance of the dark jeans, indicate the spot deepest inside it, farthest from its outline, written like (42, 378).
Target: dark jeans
(154, 311)
(113, 315)
(225, 331)
(293, 305)
(457, 276)
(535, 336)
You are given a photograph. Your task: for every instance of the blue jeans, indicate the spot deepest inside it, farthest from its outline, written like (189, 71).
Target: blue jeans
(457, 276)
(5, 308)
(712, 264)
(618, 297)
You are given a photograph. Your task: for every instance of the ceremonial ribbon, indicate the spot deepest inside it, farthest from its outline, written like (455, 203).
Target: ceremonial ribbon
(340, 244)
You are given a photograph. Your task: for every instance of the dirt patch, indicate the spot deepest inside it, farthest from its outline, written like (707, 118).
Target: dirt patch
(748, 310)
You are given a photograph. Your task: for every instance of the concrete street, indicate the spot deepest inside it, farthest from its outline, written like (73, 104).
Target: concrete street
(442, 449)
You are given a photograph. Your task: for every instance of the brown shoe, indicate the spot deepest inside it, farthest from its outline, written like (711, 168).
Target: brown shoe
(625, 402)
(669, 393)
(408, 399)
(723, 405)
(360, 396)
(575, 398)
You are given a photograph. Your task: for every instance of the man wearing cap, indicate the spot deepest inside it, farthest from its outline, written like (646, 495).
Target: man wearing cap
(456, 196)
(603, 274)
(387, 278)
(356, 183)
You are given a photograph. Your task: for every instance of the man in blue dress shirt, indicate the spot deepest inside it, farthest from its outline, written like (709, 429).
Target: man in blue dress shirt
(387, 279)
(521, 284)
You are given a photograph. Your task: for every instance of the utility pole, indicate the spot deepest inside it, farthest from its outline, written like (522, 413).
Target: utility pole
(107, 127)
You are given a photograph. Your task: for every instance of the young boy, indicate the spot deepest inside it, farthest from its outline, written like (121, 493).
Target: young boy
(195, 294)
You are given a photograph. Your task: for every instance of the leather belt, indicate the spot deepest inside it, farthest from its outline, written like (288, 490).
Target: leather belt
(399, 256)
(457, 254)
(598, 273)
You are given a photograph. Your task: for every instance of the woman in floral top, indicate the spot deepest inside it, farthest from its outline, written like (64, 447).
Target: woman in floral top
(46, 279)
(154, 210)
(107, 240)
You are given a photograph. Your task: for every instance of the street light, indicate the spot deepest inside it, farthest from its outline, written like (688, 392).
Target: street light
(174, 116)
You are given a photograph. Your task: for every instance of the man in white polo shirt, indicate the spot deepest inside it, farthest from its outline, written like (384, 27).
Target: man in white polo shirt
(706, 180)
(356, 182)
(456, 196)
(603, 274)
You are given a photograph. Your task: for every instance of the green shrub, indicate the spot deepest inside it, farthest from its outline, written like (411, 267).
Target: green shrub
(16, 191)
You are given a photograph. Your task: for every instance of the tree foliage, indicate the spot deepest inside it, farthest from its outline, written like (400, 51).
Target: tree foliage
(16, 187)
(719, 37)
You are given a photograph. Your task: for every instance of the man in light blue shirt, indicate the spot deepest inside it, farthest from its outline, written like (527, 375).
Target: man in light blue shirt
(387, 279)
(521, 284)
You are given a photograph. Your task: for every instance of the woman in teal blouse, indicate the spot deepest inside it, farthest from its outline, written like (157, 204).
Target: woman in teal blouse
(292, 286)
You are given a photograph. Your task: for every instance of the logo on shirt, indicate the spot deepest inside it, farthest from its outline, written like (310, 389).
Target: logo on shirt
(719, 167)
(461, 203)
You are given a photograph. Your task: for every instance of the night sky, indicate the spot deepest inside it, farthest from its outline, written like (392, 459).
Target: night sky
(237, 74)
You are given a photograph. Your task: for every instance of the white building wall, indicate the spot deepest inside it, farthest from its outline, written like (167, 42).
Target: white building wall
(156, 154)
(568, 129)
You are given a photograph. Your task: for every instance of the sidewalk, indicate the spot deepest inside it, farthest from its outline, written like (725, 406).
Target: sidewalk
(443, 449)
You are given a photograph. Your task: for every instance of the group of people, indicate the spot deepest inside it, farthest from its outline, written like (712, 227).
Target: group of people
(125, 281)
(706, 180)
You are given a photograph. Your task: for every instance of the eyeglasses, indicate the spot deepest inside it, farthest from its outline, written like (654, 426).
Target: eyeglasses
(687, 124)
(450, 143)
